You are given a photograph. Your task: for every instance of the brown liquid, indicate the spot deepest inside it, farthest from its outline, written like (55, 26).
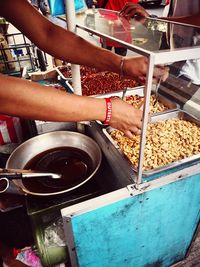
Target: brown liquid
(73, 164)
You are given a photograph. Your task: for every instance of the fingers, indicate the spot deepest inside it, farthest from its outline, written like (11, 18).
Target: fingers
(166, 74)
(131, 133)
(126, 118)
(130, 10)
(161, 71)
(138, 121)
(137, 67)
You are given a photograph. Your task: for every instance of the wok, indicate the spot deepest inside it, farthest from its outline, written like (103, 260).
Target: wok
(39, 149)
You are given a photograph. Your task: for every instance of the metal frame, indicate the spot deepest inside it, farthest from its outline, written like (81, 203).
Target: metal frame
(131, 190)
(145, 117)
(157, 57)
(70, 240)
(71, 24)
(26, 46)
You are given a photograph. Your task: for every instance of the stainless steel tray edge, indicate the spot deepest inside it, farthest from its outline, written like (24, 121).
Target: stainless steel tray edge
(140, 91)
(106, 132)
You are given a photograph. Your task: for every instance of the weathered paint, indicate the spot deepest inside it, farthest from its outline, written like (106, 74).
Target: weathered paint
(154, 228)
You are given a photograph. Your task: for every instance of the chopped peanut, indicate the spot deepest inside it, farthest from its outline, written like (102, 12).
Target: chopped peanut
(167, 141)
(155, 105)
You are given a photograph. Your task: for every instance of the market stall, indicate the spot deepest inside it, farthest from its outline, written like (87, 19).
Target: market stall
(150, 216)
(131, 210)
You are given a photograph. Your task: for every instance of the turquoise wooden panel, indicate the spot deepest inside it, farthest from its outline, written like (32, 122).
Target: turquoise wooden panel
(152, 229)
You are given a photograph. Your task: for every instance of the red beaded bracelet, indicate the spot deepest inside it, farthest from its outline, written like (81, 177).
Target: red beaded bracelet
(16, 252)
(108, 110)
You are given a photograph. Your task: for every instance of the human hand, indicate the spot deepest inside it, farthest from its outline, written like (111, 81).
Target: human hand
(126, 118)
(136, 67)
(131, 10)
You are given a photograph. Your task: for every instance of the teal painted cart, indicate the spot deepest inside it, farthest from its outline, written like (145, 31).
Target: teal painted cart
(151, 224)
(142, 221)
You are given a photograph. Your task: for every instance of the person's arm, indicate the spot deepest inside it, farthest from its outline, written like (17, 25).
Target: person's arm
(130, 10)
(193, 20)
(55, 40)
(33, 101)
(65, 45)
(30, 100)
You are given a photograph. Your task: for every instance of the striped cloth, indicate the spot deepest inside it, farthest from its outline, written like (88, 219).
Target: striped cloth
(10, 130)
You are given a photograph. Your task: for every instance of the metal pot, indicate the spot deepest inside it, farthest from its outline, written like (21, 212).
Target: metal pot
(49, 141)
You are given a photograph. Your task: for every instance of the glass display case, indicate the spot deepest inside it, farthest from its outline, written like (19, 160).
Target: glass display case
(147, 220)
(163, 43)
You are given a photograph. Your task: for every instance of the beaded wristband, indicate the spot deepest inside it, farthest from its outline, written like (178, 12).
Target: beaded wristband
(108, 110)
(16, 252)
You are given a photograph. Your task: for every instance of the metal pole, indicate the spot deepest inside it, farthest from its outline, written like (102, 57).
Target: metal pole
(71, 25)
(145, 117)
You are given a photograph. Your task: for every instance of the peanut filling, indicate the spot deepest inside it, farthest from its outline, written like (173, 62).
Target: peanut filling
(167, 141)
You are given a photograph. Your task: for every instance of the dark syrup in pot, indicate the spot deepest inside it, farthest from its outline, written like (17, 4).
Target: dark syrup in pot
(73, 164)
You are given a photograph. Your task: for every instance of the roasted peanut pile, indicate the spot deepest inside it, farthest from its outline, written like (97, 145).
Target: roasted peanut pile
(96, 82)
(137, 101)
(166, 142)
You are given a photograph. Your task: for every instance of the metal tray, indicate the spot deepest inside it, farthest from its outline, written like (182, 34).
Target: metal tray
(140, 92)
(162, 117)
(130, 91)
(59, 71)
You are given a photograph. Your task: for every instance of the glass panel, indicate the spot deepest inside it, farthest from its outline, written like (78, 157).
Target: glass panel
(149, 34)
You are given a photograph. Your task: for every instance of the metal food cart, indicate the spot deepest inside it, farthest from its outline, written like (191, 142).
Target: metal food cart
(143, 220)
(125, 217)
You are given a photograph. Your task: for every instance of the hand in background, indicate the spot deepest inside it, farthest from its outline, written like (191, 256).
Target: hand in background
(130, 10)
(136, 67)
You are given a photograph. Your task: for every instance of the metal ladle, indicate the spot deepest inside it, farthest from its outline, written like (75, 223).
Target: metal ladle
(13, 174)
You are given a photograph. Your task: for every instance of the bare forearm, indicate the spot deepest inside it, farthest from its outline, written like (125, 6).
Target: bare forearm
(72, 48)
(55, 40)
(30, 100)
(193, 20)
(65, 45)
(33, 101)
